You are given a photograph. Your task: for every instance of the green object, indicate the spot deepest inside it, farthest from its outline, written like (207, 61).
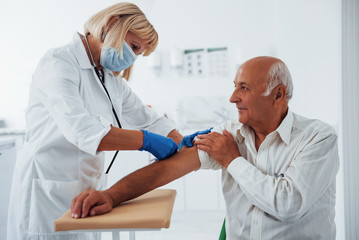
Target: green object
(216, 49)
(186, 51)
(223, 235)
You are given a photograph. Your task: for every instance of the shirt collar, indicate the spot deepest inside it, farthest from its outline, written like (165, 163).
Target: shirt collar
(284, 130)
(80, 52)
(242, 132)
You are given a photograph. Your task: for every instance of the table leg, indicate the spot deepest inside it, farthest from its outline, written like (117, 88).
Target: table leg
(115, 235)
(132, 236)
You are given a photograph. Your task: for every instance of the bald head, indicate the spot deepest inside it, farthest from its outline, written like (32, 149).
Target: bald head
(259, 64)
(260, 94)
(270, 71)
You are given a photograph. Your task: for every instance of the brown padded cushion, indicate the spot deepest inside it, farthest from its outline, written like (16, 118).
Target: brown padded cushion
(152, 210)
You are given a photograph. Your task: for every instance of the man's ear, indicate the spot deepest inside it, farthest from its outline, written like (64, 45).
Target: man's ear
(280, 94)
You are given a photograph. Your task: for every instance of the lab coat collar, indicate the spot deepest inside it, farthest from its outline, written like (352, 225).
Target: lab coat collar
(284, 130)
(80, 52)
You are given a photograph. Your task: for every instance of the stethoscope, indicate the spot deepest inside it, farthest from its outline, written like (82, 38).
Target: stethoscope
(101, 77)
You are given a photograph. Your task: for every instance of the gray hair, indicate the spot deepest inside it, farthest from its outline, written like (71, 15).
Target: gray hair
(279, 74)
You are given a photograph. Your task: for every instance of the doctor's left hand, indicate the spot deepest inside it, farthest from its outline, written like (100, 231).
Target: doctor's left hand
(91, 203)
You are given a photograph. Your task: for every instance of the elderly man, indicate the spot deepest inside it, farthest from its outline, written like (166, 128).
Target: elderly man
(278, 168)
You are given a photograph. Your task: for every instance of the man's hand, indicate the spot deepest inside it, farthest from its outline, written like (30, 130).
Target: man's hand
(91, 203)
(222, 148)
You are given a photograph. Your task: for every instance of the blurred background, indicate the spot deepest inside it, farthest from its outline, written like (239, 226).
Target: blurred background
(189, 78)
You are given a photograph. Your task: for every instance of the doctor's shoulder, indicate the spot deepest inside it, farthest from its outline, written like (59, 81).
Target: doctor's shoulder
(59, 61)
(59, 55)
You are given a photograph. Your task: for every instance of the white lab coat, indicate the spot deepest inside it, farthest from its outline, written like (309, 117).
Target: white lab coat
(67, 116)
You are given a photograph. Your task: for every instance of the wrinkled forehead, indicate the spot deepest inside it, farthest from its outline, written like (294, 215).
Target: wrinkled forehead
(254, 72)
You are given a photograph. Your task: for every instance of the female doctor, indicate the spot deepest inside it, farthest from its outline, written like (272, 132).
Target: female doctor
(79, 107)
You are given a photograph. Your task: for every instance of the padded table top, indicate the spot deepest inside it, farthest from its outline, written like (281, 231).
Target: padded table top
(152, 210)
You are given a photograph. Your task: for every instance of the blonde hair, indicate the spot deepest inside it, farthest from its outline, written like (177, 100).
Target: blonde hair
(130, 19)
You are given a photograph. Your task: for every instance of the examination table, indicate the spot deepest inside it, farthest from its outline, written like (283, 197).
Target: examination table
(149, 212)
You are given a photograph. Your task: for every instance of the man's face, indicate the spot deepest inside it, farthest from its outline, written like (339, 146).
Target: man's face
(250, 85)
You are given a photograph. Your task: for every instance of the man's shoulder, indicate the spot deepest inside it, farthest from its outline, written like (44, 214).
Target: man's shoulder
(231, 126)
(312, 126)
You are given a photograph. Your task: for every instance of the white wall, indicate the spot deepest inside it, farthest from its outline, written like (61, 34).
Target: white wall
(305, 34)
(203, 24)
(28, 30)
(350, 115)
(309, 40)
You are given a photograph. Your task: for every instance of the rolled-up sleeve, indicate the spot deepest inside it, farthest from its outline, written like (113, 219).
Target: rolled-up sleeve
(57, 83)
(207, 162)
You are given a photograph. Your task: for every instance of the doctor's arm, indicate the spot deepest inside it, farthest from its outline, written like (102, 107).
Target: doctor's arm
(58, 91)
(136, 115)
(91, 202)
(122, 139)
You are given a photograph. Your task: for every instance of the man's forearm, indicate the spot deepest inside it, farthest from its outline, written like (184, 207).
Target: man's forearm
(154, 175)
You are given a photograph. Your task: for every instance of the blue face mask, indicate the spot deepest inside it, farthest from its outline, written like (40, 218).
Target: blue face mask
(111, 58)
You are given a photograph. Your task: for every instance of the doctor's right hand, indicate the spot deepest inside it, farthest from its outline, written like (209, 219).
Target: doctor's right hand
(161, 147)
(188, 139)
(91, 203)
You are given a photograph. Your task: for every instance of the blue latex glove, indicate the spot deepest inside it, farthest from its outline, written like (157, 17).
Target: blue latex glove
(188, 139)
(161, 147)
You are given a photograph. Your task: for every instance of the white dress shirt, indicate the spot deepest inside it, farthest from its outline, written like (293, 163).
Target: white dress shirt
(286, 189)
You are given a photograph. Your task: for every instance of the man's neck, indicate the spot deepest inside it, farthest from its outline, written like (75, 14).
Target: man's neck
(262, 130)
